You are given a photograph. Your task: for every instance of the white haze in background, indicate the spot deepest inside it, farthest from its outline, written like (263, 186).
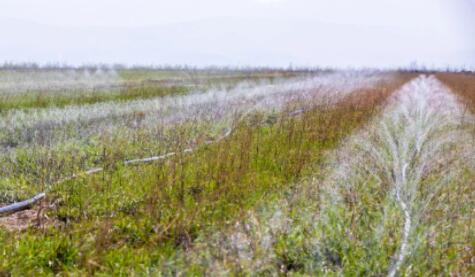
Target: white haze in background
(341, 33)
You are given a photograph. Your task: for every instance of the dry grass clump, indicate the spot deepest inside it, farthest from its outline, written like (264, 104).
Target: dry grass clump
(463, 84)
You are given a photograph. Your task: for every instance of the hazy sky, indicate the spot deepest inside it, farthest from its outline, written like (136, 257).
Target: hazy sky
(374, 33)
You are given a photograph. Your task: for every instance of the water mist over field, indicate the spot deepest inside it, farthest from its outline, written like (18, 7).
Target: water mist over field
(40, 126)
(378, 193)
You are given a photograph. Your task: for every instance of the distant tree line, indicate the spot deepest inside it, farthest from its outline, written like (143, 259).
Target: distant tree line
(413, 67)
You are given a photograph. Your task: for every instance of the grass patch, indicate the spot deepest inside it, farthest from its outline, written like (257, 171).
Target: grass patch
(81, 97)
(129, 220)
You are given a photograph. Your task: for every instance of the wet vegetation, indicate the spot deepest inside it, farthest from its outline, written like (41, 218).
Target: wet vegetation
(294, 177)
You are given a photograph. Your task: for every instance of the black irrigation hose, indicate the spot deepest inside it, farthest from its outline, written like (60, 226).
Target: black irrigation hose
(23, 205)
(20, 206)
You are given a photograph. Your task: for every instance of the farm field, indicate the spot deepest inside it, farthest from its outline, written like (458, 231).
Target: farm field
(236, 172)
